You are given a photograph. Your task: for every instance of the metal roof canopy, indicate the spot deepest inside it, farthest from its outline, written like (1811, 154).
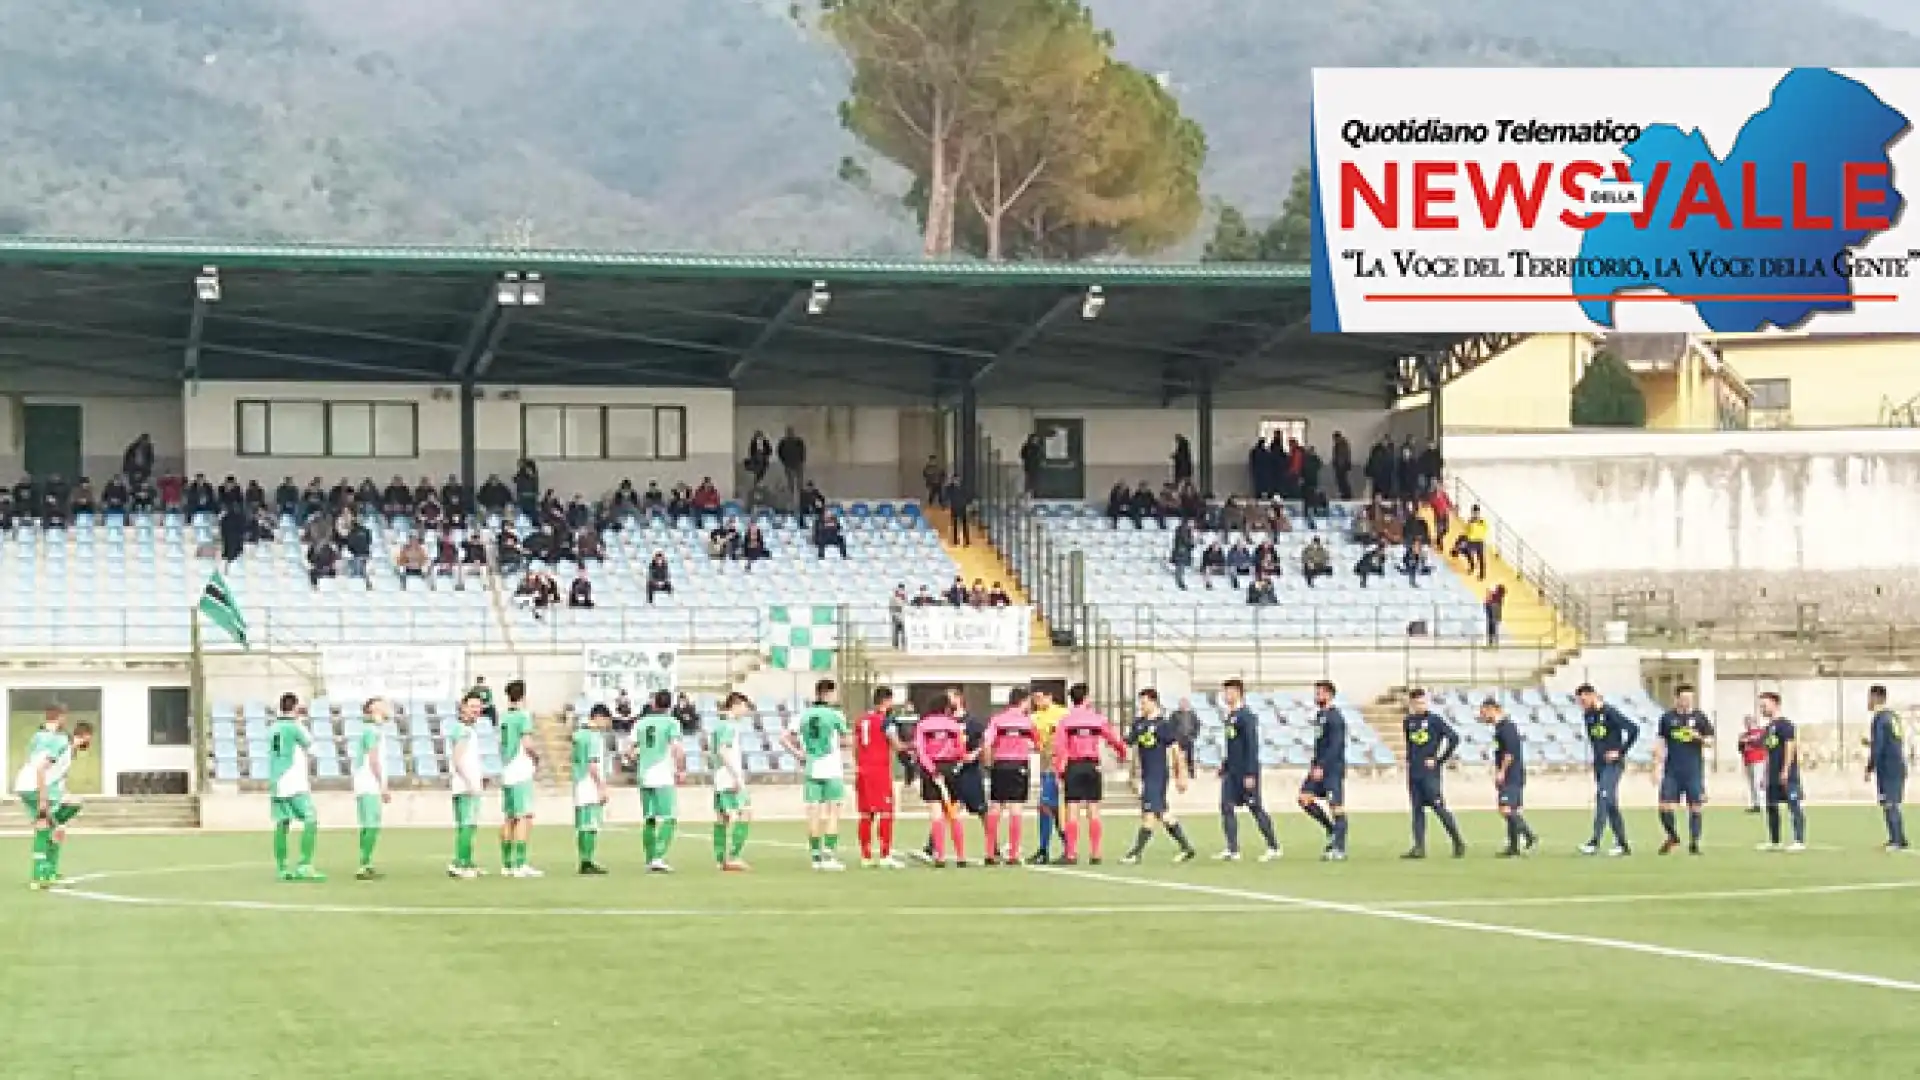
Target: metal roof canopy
(890, 331)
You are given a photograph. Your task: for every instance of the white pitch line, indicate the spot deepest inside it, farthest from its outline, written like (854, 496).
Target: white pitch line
(1617, 944)
(1645, 898)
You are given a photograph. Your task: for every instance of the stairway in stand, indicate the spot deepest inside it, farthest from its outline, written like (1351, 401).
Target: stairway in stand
(553, 741)
(101, 813)
(981, 559)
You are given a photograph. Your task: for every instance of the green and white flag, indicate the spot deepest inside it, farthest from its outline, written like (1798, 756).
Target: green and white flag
(222, 610)
(802, 637)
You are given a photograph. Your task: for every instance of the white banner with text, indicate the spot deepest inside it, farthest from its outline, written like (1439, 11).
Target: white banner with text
(638, 669)
(354, 673)
(960, 631)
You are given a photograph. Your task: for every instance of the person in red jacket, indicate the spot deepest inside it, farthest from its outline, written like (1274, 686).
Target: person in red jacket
(1753, 759)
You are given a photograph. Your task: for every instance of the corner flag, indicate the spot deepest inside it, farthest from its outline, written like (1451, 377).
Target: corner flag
(218, 605)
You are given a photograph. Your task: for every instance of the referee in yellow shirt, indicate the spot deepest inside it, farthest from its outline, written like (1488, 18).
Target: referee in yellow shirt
(1046, 717)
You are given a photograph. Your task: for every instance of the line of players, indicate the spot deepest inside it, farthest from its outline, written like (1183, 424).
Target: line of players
(949, 755)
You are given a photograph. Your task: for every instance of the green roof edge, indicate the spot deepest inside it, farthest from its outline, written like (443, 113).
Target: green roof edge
(30, 251)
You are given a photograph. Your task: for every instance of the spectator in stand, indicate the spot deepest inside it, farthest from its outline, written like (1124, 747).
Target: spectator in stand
(541, 546)
(1316, 507)
(145, 496)
(680, 503)
(688, 716)
(1495, 605)
(526, 595)
(653, 501)
(1239, 562)
(759, 459)
(233, 534)
(137, 463)
(230, 493)
(473, 555)
(260, 531)
(256, 495)
(359, 547)
(977, 595)
(1753, 758)
(446, 556)
(897, 615)
(313, 499)
(507, 551)
(1181, 556)
(1406, 470)
(1033, 453)
(588, 545)
(429, 510)
(934, 475)
(1472, 544)
(54, 505)
(201, 498)
(1343, 466)
(625, 499)
(1182, 459)
(1120, 504)
(1266, 558)
(321, 561)
(6, 510)
(754, 548)
(1186, 727)
(115, 496)
(812, 504)
(170, 491)
(1315, 561)
(1261, 593)
(578, 514)
(1379, 470)
(1260, 469)
(925, 598)
(724, 541)
(706, 500)
(1311, 466)
(82, 499)
(659, 579)
(580, 593)
(495, 495)
(411, 560)
(998, 597)
(286, 498)
(792, 453)
(1146, 503)
(526, 486)
(1431, 467)
(1372, 562)
(1442, 508)
(1213, 563)
(827, 534)
(956, 594)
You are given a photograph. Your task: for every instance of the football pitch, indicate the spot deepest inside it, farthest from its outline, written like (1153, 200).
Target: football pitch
(180, 956)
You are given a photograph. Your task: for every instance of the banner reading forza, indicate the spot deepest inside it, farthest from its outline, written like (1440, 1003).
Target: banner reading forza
(1734, 200)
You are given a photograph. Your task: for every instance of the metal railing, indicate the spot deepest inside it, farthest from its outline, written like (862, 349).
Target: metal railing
(1568, 604)
(1657, 618)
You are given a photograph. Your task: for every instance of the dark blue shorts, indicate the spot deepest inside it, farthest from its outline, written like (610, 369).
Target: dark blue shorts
(1513, 793)
(1683, 785)
(1426, 790)
(1153, 795)
(1332, 786)
(1234, 793)
(1788, 792)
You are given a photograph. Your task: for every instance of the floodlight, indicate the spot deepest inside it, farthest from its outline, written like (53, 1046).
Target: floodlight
(206, 286)
(1095, 300)
(818, 300)
(533, 291)
(507, 293)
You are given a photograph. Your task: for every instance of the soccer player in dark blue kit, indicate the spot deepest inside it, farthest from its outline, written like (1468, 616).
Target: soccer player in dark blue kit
(1156, 742)
(1887, 766)
(1783, 775)
(1680, 760)
(1611, 735)
(1240, 775)
(1327, 775)
(1431, 742)
(1509, 779)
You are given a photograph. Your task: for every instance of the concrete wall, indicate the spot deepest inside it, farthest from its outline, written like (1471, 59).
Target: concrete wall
(1832, 381)
(123, 736)
(108, 423)
(1687, 501)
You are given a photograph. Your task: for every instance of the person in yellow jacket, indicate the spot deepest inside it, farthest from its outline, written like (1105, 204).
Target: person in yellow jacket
(1472, 545)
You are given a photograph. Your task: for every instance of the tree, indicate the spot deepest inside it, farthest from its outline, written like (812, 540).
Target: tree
(1024, 137)
(1608, 396)
(1287, 238)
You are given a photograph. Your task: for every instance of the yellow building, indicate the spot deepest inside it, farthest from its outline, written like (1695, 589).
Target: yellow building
(1526, 388)
(1827, 380)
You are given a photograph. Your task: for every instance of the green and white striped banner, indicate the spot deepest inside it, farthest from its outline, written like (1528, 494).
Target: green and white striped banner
(802, 637)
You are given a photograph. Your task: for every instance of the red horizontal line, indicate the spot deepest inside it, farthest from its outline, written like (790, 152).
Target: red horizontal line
(1622, 298)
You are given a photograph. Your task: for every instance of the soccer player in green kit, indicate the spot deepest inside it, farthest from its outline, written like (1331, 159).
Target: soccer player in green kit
(42, 786)
(816, 738)
(466, 778)
(518, 760)
(662, 761)
(730, 802)
(290, 776)
(590, 786)
(370, 794)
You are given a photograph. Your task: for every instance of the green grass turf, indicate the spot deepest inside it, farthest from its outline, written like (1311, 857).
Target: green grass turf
(935, 974)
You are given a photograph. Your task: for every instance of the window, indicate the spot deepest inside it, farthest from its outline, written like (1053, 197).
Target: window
(1286, 428)
(604, 432)
(1771, 394)
(168, 716)
(342, 429)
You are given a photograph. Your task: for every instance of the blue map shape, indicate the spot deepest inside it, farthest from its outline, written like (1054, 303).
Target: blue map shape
(1815, 117)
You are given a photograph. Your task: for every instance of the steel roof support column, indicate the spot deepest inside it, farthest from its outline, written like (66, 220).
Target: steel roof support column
(1203, 430)
(1436, 382)
(969, 444)
(469, 468)
(190, 360)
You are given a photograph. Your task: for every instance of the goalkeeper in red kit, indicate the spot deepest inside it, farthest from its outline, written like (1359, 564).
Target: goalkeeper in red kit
(876, 745)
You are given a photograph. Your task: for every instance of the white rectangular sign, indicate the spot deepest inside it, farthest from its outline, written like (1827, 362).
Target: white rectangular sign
(354, 673)
(637, 669)
(1662, 200)
(956, 631)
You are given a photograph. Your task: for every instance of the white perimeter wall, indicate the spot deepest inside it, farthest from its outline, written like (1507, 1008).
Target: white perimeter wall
(107, 424)
(123, 746)
(1680, 501)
